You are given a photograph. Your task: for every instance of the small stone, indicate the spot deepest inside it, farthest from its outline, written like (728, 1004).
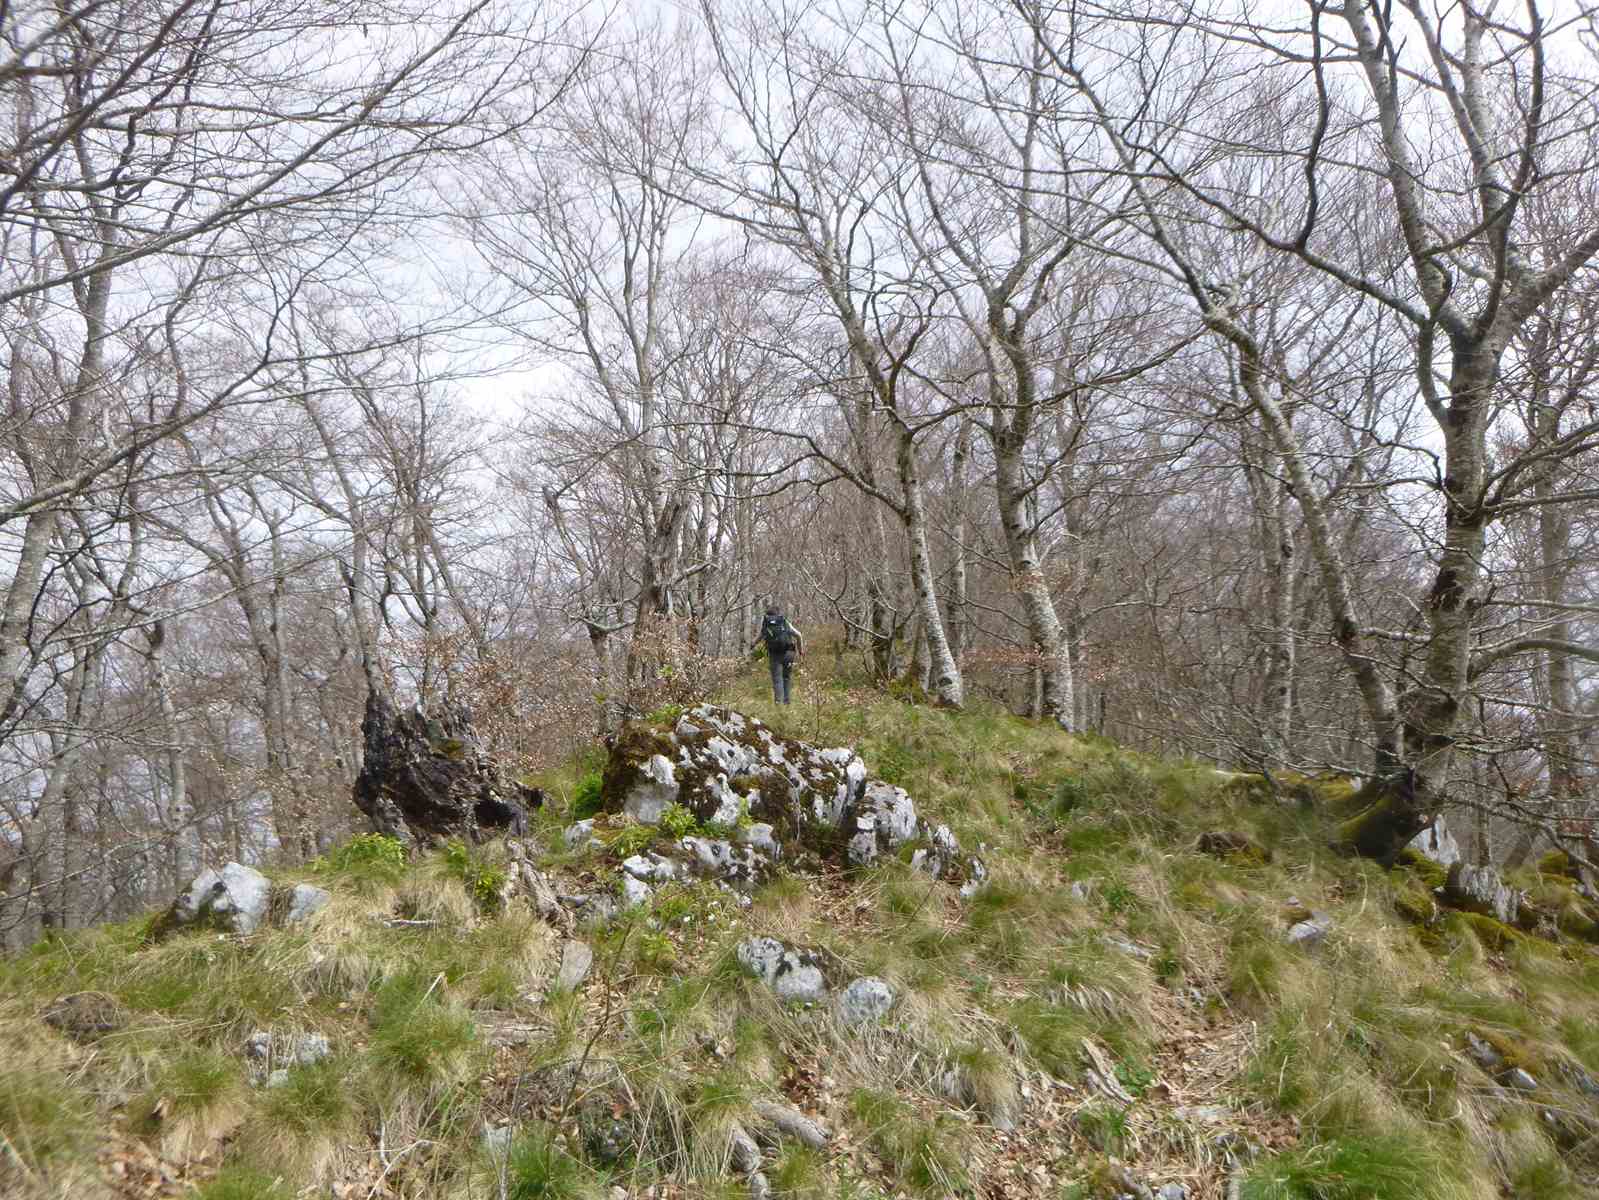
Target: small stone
(1484, 1055)
(1172, 1191)
(789, 1122)
(277, 1078)
(760, 1188)
(1081, 890)
(635, 892)
(742, 1151)
(305, 901)
(1520, 1080)
(578, 834)
(1202, 1114)
(86, 1016)
(865, 1001)
(577, 958)
(1312, 933)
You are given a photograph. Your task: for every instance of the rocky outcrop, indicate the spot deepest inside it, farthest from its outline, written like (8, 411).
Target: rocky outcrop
(755, 799)
(1481, 890)
(426, 776)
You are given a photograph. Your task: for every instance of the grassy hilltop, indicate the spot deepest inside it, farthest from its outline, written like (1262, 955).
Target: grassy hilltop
(1150, 1027)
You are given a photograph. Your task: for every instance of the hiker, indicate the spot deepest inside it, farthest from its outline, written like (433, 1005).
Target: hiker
(783, 645)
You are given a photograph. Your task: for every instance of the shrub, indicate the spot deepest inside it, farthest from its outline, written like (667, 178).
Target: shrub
(374, 857)
(586, 796)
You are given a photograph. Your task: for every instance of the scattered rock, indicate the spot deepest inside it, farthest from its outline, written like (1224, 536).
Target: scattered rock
(1437, 843)
(1580, 1079)
(865, 1001)
(1484, 1055)
(304, 902)
(1203, 1114)
(1081, 890)
(760, 1187)
(580, 833)
(234, 899)
(1310, 933)
(1132, 949)
(299, 1050)
(795, 975)
(1481, 890)
(742, 1151)
(1520, 1080)
(1172, 1191)
(525, 878)
(86, 1016)
(774, 795)
(635, 892)
(426, 776)
(577, 959)
(788, 1122)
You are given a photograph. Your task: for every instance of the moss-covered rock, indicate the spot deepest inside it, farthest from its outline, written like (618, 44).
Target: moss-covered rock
(1385, 819)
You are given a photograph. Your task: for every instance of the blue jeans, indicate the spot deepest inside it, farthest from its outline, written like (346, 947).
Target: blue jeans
(782, 675)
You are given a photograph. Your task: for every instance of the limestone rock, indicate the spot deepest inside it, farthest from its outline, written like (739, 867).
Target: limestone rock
(1520, 1080)
(774, 795)
(579, 833)
(794, 975)
(234, 899)
(786, 1121)
(1437, 843)
(577, 959)
(1481, 890)
(304, 902)
(1310, 933)
(635, 892)
(742, 1151)
(865, 1001)
(426, 776)
(1484, 1055)
(283, 1051)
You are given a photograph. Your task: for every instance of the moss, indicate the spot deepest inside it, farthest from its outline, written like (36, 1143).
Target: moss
(635, 745)
(1432, 874)
(1384, 819)
(1557, 862)
(1414, 901)
(1494, 935)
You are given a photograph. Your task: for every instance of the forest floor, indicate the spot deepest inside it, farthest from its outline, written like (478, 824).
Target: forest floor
(1116, 1013)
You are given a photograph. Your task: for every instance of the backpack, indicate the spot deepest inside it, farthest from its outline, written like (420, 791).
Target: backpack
(777, 634)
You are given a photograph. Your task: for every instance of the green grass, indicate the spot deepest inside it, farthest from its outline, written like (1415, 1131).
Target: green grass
(246, 1183)
(1373, 1168)
(417, 1032)
(926, 1154)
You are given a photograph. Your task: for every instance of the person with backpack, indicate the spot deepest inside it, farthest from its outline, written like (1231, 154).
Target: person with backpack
(783, 645)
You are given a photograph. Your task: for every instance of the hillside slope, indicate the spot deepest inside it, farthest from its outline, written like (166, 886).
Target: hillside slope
(1168, 987)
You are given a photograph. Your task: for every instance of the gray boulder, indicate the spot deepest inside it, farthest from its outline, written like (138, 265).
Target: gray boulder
(865, 1001)
(580, 833)
(1437, 843)
(795, 975)
(304, 902)
(234, 899)
(577, 959)
(1481, 890)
